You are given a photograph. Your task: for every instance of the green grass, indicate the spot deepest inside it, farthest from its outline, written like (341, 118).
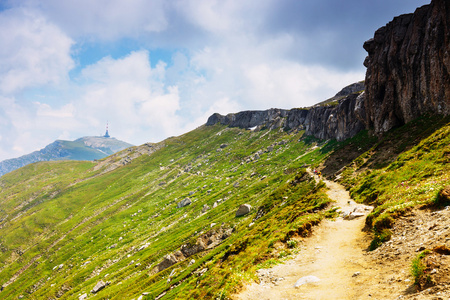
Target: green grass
(412, 176)
(94, 221)
(117, 225)
(418, 267)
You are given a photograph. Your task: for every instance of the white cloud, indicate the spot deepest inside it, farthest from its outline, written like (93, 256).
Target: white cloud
(33, 52)
(132, 95)
(105, 19)
(233, 67)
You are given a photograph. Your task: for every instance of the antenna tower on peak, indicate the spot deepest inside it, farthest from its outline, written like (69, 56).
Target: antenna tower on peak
(106, 134)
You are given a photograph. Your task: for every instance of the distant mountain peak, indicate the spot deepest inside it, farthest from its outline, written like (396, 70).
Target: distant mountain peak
(84, 148)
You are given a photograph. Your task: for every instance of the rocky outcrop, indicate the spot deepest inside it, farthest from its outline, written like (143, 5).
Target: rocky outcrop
(205, 241)
(407, 76)
(249, 119)
(408, 68)
(337, 118)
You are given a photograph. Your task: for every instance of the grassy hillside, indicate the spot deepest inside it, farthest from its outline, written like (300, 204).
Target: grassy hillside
(67, 225)
(406, 169)
(64, 226)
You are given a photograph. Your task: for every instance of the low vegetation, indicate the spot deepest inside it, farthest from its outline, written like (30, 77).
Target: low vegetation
(64, 226)
(407, 168)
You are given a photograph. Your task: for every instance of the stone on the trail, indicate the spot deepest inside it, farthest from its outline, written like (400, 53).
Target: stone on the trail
(243, 210)
(99, 286)
(184, 202)
(353, 215)
(306, 280)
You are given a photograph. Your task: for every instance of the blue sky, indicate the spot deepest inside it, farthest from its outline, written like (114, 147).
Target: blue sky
(155, 68)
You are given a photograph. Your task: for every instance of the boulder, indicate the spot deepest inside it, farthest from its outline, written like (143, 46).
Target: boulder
(243, 210)
(83, 297)
(185, 202)
(99, 286)
(306, 280)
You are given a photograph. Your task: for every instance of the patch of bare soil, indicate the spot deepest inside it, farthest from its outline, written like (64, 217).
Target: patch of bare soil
(334, 263)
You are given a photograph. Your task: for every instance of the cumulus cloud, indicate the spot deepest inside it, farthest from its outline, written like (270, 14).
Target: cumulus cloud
(133, 94)
(228, 56)
(104, 19)
(34, 52)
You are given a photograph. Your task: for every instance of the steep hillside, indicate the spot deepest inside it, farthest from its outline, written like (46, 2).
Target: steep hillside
(85, 148)
(67, 225)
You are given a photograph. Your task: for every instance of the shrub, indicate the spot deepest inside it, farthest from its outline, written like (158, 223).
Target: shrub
(380, 238)
(418, 267)
(292, 244)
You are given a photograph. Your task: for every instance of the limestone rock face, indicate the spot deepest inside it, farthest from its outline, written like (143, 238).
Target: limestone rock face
(340, 121)
(408, 68)
(407, 76)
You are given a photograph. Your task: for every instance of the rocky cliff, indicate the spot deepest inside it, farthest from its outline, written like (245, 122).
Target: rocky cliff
(408, 68)
(407, 76)
(337, 118)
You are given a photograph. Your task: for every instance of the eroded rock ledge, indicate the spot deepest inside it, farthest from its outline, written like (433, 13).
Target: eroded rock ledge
(338, 118)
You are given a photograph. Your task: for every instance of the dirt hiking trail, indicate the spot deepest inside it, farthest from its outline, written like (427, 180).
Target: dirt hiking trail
(330, 265)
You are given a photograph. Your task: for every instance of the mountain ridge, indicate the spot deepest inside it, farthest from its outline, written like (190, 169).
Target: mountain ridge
(84, 148)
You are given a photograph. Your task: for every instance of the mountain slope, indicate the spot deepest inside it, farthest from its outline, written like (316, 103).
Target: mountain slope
(123, 222)
(65, 226)
(195, 216)
(86, 148)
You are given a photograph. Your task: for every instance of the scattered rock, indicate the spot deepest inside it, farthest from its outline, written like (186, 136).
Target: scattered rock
(184, 202)
(201, 272)
(82, 297)
(99, 286)
(443, 249)
(243, 210)
(223, 146)
(306, 280)
(205, 208)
